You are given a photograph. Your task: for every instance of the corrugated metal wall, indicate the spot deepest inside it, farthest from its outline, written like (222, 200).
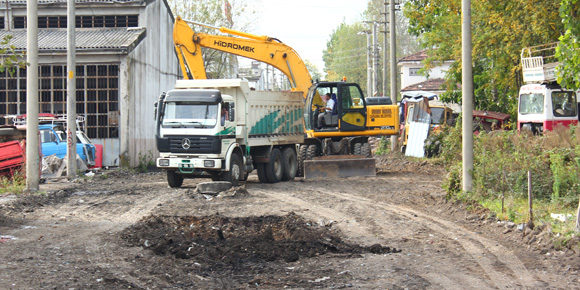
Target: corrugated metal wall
(153, 69)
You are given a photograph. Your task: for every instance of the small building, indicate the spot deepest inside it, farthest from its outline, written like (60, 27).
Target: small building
(413, 80)
(125, 59)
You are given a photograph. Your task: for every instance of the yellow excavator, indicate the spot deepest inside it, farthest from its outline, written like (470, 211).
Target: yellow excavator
(345, 130)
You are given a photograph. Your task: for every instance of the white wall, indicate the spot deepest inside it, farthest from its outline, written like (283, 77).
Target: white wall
(436, 72)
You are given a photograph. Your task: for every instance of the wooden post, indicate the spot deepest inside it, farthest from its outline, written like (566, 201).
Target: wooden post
(577, 218)
(531, 221)
(503, 191)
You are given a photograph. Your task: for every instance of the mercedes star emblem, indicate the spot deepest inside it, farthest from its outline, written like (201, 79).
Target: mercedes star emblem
(185, 143)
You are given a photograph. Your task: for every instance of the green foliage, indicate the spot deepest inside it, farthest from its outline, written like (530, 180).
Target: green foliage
(10, 60)
(383, 146)
(146, 161)
(14, 185)
(502, 160)
(218, 64)
(567, 50)
(496, 48)
(345, 54)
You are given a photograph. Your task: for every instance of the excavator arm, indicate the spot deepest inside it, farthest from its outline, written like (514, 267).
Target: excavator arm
(269, 50)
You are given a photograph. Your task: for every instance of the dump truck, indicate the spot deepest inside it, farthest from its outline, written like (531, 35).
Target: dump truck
(223, 130)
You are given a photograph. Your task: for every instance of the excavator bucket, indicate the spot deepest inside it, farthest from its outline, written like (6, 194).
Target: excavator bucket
(339, 166)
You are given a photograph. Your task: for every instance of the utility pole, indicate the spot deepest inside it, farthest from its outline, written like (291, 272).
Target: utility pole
(467, 106)
(32, 152)
(369, 63)
(393, 50)
(385, 53)
(71, 109)
(375, 61)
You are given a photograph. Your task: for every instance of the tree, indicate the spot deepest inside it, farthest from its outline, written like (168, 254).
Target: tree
(345, 54)
(567, 50)
(313, 70)
(10, 58)
(500, 29)
(218, 64)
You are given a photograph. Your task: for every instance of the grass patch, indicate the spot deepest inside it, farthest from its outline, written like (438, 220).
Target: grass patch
(14, 185)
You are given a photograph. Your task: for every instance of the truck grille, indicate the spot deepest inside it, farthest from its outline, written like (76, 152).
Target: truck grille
(196, 144)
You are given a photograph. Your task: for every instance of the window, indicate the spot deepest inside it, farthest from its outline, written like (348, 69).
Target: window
(564, 104)
(531, 104)
(97, 99)
(414, 71)
(81, 21)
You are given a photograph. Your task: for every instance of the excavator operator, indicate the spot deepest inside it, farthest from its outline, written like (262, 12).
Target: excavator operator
(327, 109)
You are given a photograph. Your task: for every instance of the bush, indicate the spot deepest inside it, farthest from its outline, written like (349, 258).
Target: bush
(502, 160)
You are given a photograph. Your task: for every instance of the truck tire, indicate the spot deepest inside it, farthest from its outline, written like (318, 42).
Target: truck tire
(289, 164)
(301, 158)
(173, 179)
(365, 150)
(261, 168)
(311, 152)
(274, 167)
(357, 148)
(235, 172)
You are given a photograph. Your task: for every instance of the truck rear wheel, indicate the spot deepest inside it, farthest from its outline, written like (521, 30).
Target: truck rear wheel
(173, 179)
(274, 167)
(261, 168)
(301, 158)
(289, 164)
(235, 172)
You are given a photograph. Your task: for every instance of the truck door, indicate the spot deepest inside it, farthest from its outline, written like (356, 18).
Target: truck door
(351, 107)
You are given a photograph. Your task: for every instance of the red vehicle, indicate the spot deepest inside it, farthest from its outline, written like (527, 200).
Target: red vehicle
(542, 103)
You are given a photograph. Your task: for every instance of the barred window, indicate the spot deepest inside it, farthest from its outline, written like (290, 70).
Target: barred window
(81, 21)
(97, 95)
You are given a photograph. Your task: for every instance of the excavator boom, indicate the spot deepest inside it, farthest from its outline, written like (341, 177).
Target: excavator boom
(261, 48)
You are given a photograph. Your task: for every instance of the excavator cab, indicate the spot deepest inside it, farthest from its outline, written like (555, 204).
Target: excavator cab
(349, 113)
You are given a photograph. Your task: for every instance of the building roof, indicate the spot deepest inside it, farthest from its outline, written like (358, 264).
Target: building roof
(416, 57)
(65, 1)
(431, 85)
(120, 40)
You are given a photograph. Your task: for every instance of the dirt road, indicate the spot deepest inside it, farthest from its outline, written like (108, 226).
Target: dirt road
(393, 231)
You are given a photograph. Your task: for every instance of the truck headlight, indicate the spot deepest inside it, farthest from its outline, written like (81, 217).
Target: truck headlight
(208, 163)
(163, 162)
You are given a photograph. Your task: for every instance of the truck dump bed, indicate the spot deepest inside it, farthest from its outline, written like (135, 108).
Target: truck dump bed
(262, 117)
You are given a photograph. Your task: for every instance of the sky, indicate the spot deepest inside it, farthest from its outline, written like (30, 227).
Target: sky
(306, 25)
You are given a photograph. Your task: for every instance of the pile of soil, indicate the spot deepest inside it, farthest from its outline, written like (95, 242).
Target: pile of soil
(218, 242)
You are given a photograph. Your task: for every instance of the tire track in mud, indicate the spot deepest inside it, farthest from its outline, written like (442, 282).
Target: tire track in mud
(493, 258)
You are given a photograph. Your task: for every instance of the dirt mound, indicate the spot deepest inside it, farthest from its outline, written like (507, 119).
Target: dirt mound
(222, 242)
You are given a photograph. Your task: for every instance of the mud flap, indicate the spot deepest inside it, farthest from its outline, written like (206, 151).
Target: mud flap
(339, 166)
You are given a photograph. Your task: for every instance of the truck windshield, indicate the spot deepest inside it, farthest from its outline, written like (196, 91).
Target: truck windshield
(531, 104)
(187, 114)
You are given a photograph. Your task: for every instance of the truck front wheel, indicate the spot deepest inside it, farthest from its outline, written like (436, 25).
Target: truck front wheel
(173, 179)
(235, 172)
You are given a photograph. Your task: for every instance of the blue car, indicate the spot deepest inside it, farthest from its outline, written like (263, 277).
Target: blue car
(53, 142)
